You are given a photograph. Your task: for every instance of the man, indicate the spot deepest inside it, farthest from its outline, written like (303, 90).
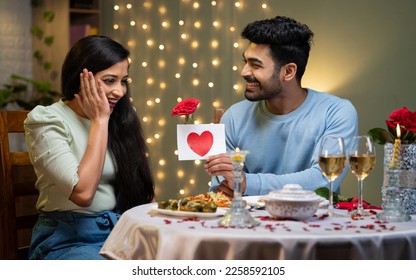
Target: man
(281, 123)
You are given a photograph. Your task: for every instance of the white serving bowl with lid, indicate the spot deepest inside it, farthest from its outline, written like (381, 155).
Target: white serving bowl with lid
(292, 202)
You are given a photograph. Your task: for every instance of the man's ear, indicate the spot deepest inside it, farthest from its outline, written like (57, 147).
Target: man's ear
(289, 71)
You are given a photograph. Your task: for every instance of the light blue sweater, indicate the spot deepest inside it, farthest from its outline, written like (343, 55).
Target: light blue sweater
(283, 149)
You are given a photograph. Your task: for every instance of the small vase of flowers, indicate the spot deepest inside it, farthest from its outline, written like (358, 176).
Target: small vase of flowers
(401, 128)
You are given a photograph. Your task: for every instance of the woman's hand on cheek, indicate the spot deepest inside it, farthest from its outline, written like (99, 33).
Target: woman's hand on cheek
(92, 98)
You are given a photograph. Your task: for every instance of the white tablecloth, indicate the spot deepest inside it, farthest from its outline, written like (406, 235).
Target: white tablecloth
(139, 235)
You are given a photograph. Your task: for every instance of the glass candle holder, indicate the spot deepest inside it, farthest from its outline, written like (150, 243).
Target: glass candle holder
(392, 208)
(238, 215)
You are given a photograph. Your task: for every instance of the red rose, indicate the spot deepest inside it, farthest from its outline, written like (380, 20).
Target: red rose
(405, 118)
(185, 107)
(407, 122)
(410, 122)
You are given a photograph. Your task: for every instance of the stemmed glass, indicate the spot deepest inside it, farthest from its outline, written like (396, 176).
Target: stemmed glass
(238, 215)
(362, 160)
(332, 161)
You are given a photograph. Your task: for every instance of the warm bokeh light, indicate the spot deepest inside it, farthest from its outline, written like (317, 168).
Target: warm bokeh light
(160, 175)
(197, 24)
(162, 10)
(162, 122)
(177, 55)
(194, 44)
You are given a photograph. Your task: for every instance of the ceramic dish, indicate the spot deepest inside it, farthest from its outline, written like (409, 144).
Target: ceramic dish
(292, 202)
(258, 201)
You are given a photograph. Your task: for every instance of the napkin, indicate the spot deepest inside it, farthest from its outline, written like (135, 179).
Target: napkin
(354, 203)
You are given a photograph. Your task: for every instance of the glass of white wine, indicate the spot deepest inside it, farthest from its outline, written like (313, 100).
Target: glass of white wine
(332, 159)
(362, 160)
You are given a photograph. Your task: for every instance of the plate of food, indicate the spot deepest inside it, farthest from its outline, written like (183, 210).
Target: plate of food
(188, 214)
(323, 203)
(219, 199)
(254, 201)
(207, 205)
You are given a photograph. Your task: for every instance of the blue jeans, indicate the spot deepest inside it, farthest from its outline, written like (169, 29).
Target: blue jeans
(71, 235)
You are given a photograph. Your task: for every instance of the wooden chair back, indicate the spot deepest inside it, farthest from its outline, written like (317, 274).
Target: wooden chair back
(218, 112)
(18, 194)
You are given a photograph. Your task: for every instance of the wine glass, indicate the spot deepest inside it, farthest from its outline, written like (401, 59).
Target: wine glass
(362, 160)
(332, 161)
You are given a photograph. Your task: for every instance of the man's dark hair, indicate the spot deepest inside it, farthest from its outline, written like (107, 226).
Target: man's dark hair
(289, 40)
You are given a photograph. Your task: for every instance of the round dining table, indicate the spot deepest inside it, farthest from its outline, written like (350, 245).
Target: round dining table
(145, 233)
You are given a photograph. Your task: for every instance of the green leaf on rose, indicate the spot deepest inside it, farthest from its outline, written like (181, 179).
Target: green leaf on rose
(324, 192)
(381, 136)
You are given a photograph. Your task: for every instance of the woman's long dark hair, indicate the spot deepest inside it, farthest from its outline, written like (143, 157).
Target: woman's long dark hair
(133, 181)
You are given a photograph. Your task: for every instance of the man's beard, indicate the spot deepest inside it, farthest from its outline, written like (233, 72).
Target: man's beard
(268, 91)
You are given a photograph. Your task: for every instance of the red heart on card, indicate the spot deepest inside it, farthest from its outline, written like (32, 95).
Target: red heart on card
(200, 144)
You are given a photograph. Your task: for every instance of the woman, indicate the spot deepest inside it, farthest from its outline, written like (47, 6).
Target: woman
(88, 152)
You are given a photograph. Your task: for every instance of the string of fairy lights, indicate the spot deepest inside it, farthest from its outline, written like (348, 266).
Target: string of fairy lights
(181, 49)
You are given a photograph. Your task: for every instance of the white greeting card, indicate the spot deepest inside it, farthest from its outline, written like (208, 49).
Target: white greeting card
(198, 141)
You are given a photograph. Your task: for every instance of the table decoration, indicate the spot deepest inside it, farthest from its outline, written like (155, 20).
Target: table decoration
(353, 203)
(396, 152)
(238, 215)
(337, 198)
(401, 125)
(392, 208)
